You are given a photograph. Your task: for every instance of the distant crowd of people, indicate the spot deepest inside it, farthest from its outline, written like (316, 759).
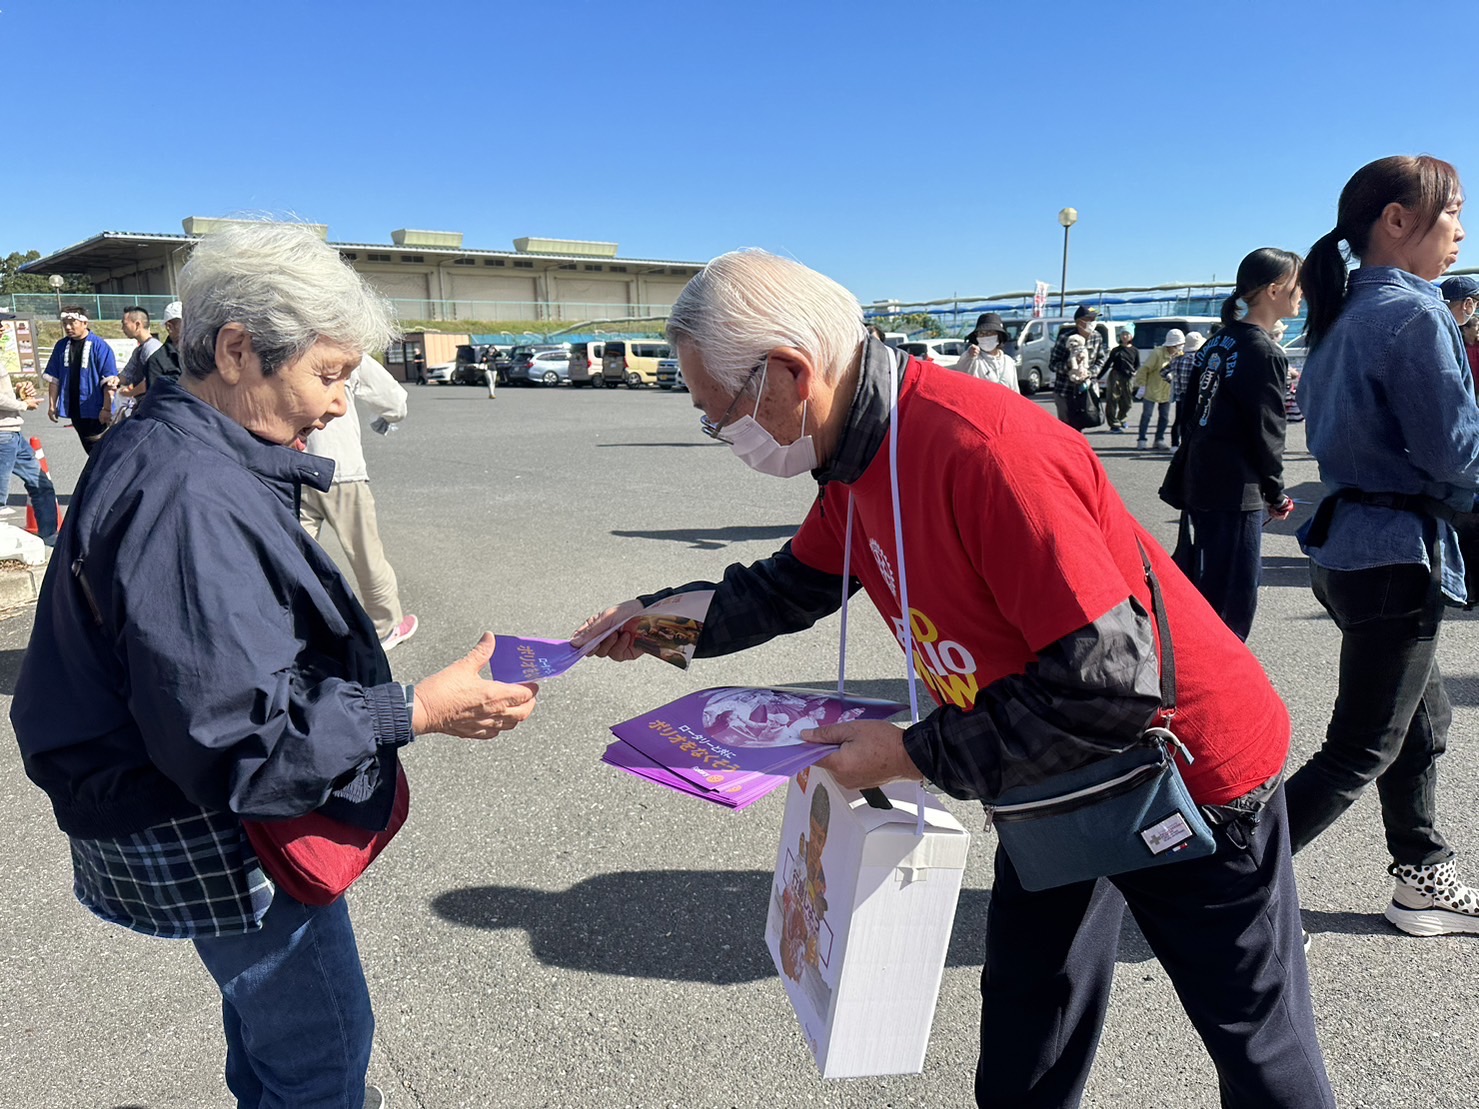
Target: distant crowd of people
(220, 671)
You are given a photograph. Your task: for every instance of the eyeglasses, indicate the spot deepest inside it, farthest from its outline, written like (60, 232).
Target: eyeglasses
(714, 428)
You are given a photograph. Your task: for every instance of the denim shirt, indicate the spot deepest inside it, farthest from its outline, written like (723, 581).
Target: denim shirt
(1390, 404)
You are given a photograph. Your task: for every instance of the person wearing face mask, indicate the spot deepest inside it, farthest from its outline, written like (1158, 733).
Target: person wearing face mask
(1084, 320)
(1390, 415)
(1461, 293)
(1029, 606)
(1234, 465)
(986, 357)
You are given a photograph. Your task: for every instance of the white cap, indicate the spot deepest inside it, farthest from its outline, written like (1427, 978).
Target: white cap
(174, 310)
(1194, 340)
(1175, 338)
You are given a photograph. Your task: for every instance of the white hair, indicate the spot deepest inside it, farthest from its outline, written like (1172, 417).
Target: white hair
(286, 286)
(745, 304)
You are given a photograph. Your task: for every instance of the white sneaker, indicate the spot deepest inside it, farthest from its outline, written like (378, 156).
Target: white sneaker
(1431, 901)
(400, 633)
(5, 510)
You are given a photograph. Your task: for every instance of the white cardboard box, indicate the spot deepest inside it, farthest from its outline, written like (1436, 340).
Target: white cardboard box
(861, 910)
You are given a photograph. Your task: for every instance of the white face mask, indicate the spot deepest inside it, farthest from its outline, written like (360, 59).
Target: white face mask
(758, 449)
(987, 343)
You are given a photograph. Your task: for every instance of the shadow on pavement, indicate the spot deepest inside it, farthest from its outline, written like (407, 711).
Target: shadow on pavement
(1285, 570)
(1347, 924)
(678, 925)
(712, 539)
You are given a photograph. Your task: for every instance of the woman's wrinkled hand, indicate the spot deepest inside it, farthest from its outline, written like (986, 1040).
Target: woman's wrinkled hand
(458, 702)
(618, 646)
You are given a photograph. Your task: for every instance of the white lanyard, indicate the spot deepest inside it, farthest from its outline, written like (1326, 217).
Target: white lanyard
(893, 467)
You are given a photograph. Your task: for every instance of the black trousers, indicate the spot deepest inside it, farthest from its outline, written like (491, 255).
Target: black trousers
(1222, 554)
(1226, 930)
(90, 432)
(1390, 723)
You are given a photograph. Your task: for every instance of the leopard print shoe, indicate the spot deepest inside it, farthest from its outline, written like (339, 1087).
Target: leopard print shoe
(1431, 901)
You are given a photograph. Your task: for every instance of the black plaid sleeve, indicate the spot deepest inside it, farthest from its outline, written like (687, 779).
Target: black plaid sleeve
(1088, 695)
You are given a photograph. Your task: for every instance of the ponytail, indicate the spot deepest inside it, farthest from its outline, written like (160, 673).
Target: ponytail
(1230, 309)
(1324, 280)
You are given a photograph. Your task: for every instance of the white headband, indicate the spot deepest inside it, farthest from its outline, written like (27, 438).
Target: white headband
(68, 317)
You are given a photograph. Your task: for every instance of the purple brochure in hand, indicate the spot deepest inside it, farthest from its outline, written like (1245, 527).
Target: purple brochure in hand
(718, 738)
(517, 659)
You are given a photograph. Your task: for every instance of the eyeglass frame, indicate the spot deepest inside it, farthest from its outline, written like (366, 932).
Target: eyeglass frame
(715, 429)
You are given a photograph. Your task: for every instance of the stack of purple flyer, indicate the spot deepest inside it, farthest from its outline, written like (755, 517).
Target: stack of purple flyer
(734, 744)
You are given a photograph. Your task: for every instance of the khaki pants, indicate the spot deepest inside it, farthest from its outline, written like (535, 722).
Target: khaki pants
(349, 508)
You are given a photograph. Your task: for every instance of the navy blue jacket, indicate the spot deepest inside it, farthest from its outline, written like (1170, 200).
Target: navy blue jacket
(194, 648)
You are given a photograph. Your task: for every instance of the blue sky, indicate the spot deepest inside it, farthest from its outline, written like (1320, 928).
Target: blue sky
(908, 150)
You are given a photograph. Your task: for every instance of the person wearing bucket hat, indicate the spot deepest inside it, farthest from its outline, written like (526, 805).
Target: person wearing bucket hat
(986, 357)
(1119, 370)
(1154, 391)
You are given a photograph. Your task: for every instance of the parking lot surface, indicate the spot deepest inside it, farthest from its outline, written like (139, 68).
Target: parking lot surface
(547, 932)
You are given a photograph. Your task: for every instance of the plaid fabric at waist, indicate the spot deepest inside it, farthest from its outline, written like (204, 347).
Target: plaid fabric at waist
(195, 876)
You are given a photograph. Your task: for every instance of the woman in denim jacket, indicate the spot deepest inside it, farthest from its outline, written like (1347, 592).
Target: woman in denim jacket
(1393, 423)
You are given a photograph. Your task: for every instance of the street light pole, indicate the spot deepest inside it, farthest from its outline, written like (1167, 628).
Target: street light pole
(1067, 217)
(56, 281)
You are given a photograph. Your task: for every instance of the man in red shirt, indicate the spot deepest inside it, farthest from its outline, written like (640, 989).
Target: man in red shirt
(1030, 618)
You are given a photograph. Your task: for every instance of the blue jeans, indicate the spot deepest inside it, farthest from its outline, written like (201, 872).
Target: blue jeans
(296, 1009)
(1146, 408)
(17, 458)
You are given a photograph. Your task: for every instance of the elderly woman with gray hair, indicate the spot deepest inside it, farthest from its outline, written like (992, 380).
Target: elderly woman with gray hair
(217, 667)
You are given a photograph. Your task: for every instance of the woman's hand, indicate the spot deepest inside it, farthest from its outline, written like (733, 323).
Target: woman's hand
(457, 702)
(618, 646)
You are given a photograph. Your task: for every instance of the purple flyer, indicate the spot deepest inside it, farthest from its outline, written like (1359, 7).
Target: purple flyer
(517, 659)
(719, 738)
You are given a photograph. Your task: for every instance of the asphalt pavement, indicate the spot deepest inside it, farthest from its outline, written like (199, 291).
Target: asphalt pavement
(547, 932)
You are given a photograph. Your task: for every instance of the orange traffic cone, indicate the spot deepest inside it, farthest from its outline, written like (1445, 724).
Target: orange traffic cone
(45, 469)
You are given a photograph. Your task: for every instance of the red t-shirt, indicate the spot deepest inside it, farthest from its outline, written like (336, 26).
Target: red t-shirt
(1014, 538)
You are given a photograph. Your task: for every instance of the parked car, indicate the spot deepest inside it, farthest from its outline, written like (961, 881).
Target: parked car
(445, 374)
(585, 363)
(473, 360)
(942, 352)
(1035, 349)
(549, 367)
(669, 376)
(1151, 333)
(632, 362)
(523, 356)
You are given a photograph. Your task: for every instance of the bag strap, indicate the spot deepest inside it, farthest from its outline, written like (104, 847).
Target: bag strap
(1163, 628)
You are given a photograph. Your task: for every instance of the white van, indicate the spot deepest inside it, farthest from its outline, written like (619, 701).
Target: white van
(1151, 333)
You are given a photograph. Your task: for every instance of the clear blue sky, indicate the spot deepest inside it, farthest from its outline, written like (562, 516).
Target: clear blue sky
(909, 150)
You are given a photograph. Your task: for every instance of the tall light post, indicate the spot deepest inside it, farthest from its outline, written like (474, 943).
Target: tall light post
(1068, 217)
(56, 281)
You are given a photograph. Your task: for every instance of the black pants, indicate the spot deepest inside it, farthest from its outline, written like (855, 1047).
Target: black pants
(1183, 417)
(90, 432)
(1225, 928)
(1225, 562)
(1391, 715)
(1120, 397)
